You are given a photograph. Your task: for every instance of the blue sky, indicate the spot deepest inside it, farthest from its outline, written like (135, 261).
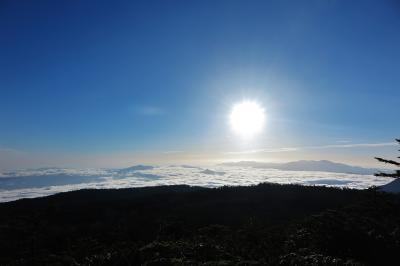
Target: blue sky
(130, 81)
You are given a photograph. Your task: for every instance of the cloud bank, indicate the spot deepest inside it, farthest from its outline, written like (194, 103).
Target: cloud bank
(42, 182)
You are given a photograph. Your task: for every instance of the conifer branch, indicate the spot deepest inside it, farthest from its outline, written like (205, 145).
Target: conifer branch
(387, 161)
(396, 174)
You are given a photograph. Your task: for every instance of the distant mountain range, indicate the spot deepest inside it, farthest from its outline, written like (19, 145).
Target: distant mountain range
(304, 165)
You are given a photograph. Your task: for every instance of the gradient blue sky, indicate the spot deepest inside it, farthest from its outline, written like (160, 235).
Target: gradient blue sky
(110, 83)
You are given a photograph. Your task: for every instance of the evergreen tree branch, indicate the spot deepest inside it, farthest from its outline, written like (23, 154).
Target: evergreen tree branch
(387, 161)
(393, 175)
(396, 173)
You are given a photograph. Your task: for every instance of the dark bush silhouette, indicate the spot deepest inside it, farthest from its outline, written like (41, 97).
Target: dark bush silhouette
(267, 224)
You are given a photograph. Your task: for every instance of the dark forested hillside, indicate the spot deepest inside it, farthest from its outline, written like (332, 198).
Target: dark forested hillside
(267, 224)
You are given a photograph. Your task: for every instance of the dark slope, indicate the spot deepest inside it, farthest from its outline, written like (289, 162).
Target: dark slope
(392, 187)
(182, 225)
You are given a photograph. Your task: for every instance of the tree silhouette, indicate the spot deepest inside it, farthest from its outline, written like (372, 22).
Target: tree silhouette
(396, 174)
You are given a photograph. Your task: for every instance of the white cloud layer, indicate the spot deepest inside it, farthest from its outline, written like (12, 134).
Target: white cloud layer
(43, 182)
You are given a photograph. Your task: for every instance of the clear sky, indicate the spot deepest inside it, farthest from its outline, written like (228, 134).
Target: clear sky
(111, 83)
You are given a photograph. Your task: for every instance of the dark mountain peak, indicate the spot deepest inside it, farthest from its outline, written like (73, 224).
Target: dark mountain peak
(211, 172)
(138, 167)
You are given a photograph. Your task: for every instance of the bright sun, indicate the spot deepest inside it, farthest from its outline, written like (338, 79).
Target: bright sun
(247, 118)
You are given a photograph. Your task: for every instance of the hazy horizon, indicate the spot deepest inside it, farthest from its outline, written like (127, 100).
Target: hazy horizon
(279, 155)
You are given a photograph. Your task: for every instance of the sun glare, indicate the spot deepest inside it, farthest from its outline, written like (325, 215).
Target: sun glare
(247, 118)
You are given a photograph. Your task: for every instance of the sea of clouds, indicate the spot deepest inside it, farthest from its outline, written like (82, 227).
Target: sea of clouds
(47, 181)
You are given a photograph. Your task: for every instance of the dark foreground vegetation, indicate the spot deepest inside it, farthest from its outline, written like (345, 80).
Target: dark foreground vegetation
(266, 224)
